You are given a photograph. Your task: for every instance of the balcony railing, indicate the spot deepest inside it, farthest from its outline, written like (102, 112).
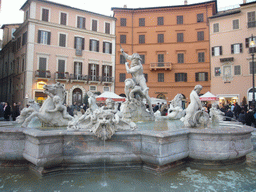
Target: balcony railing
(161, 66)
(94, 78)
(78, 77)
(107, 79)
(42, 74)
(251, 24)
(61, 76)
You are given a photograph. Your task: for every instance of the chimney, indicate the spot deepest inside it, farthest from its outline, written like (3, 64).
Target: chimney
(186, 2)
(125, 6)
(244, 1)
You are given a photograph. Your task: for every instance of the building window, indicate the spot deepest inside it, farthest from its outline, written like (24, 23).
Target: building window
(122, 59)
(217, 71)
(160, 38)
(160, 58)
(44, 37)
(160, 21)
(123, 22)
(251, 19)
(106, 88)
(216, 51)
(63, 18)
(77, 69)
(200, 18)
(23, 64)
(180, 77)
(180, 37)
(236, 24)
(215, 27)
(180, 19)
(94, 25)
(180, 58)
(122, 77)
(93, 72)
(236, 48)
(93, 88)
(202, 76)
(94, 45)
(107, 28)
(237, 70)
(24, 38)
(45, 15)
(62, 40)
(142, 59)
(18, 43)
(123, 39)
(252, 66)
(42, 67)
(107, 47)
(141, 39)
(79, 45)
(146, 77)
(141, 22)
(107, 73)
(200, 57)
(200, 36)
(61, 69)
(160, 77)
(80, 22)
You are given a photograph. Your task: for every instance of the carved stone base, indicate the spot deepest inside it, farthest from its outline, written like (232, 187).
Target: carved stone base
(136, 111)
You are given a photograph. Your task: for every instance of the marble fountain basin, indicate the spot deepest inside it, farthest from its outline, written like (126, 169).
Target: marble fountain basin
(158, 146)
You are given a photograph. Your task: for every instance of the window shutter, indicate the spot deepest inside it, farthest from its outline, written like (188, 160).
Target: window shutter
(110, 48)
(232, 49)
(77, 23)
(241, 47)
(206, 76)
(83, 23)
(75, 42)
(246, 42)
(212, 51)
(176, 77)
(103, 71)
(97, 70)
(49, 38)
(98, 46)
(82, 43)
(110, 71)
(220, 50)
(89, 69)
(185, 77)
(90, 44)
(197, 75)
(39, 36)
(104, 47)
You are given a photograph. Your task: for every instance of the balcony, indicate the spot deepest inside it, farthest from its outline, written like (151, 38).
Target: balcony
(251, 24)
(107, 80)
(61, 76)
(39, 74)
(93, 79)
(78, 78)
(161, 66)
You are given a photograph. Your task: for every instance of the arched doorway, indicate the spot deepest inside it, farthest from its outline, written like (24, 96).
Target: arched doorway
(77, 96)
(160, 96)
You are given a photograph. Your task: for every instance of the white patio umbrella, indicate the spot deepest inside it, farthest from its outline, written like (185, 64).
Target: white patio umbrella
(109, 95)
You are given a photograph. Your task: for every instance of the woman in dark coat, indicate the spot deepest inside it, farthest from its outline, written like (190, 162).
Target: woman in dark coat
(7, 111)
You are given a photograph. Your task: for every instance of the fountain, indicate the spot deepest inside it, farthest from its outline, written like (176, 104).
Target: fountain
(107, 138)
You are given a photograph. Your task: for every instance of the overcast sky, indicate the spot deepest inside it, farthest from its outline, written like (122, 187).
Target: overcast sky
(10, 9)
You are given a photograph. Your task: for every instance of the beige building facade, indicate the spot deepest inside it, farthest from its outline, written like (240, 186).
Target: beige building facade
(231, 63)
(58, 43)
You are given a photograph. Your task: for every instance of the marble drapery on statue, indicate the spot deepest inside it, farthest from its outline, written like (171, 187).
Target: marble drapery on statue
(136, 90)
(195, 114)
(52, 113)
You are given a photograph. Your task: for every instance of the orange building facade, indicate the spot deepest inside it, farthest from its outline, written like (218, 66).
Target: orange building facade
(173, 43)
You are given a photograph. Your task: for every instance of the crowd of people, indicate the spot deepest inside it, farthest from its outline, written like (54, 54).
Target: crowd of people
(233, 112)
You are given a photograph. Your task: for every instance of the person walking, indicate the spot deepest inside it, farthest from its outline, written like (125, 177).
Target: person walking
(15, 111)
(7, 111)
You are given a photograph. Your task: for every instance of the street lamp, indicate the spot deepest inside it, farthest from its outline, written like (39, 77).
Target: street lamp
(252, 51)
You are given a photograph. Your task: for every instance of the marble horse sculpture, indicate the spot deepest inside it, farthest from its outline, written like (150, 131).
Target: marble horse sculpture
(52, 113)
(27, 111)
(102, 122)
(195, 114)
(136, 90)
(175, 110)
(216, 114)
